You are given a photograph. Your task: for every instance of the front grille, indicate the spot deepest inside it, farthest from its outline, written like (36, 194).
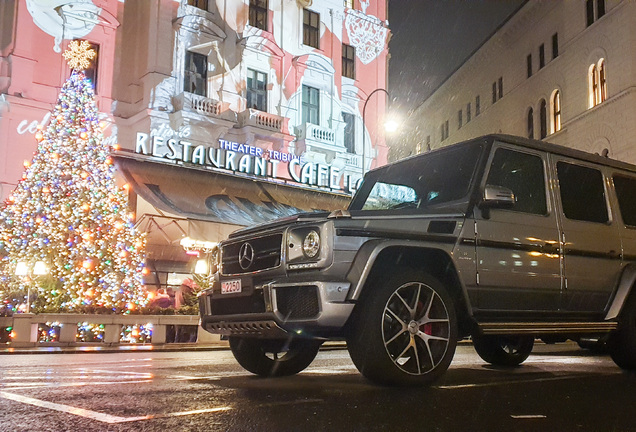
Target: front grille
(238, 305)
(297, 302)
(264, 253)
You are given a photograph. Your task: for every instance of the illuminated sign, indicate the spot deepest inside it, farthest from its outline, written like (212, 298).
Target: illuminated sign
(245, 159)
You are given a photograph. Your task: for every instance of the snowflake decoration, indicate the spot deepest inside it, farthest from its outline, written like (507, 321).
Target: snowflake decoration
(79, 55)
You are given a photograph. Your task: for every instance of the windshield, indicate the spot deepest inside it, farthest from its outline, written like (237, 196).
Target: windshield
(420, 183)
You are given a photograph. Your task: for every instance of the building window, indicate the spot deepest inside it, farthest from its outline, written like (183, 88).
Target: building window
(555, 46)
(541, 56)
(530, 131)
(348, 61)
(477, 106)
(201, 4)
(494, 92)
(428, 143)
(349, 132)
(91, 70)
(258, 14)
(348, 4)
(555, 108)
(602, 84)
(195, 76)
(543, 118)
(529, 65)
(460, 121)
(256, 90)
(311, 105)
(589, 10)
(468, 113)
(500, 82)
(597, 83)
(311, 28)
(445, 130)
(600, 8)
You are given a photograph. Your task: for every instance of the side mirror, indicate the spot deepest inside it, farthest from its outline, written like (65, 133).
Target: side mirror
(497, 197)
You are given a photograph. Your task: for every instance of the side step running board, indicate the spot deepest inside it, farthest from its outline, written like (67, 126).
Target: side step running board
(546, 328)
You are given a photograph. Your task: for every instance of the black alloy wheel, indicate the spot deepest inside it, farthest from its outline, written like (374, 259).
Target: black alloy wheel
(404, 332)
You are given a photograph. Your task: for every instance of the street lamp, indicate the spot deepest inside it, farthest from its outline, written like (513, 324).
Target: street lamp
(364, 130)
(22, 269)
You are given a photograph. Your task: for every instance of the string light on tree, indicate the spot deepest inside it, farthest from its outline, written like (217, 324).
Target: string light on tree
(69, 212)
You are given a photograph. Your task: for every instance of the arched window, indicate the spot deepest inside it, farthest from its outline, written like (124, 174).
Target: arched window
(530, 123)
(543, 117)
(555, 109)
(598, 83)
(602, 84)
(593, 80)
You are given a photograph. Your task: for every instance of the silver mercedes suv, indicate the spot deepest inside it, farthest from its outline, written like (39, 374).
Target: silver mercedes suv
(500, 238)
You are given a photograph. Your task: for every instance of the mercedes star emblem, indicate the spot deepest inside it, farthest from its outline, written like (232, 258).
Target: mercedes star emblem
(246, 256)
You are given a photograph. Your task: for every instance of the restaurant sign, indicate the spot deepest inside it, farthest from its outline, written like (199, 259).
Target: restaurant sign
(245, 159)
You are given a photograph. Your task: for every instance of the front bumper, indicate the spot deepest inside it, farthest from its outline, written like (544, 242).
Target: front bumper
(278, 309)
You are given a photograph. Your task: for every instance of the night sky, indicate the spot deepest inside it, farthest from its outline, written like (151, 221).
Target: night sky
(431, 38)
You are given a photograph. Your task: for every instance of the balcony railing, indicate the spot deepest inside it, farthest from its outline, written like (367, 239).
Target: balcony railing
(318, 137)
(201, 104)
(252, 117)
(353, 160)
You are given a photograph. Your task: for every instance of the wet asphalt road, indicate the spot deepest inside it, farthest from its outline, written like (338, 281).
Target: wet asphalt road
(559, 388)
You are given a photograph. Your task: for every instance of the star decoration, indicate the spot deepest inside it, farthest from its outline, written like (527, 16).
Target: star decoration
(79, 54)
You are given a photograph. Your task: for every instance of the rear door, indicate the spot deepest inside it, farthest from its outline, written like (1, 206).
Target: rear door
(590, 235)
(518, 251)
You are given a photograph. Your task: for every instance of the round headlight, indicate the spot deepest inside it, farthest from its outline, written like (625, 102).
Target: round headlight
(311, 244)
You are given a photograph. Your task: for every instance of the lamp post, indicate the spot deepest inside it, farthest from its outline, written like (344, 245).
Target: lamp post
(364, 130)
(23, 269)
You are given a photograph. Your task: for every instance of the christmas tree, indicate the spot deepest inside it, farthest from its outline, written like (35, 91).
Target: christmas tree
(68, 214)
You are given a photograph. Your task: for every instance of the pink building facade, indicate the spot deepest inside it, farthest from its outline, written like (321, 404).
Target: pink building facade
(33, 33)
(227, 113)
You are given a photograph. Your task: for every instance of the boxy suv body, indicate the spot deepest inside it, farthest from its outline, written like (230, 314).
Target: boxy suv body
(500, 238)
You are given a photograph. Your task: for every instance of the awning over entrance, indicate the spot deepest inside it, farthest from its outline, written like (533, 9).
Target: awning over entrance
(214, 196)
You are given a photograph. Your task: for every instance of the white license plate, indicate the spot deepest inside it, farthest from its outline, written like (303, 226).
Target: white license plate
(231, 287)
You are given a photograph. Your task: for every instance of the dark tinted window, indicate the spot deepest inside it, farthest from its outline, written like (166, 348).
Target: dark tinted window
(626, 192)
(582, 193)
(419, 183)
(522, 173)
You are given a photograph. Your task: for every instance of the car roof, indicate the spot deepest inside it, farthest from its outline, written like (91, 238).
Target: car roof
(542, 146)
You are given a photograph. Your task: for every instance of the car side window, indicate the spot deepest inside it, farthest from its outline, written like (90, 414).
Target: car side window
(582, 193)
(523, 174)
(626, 194)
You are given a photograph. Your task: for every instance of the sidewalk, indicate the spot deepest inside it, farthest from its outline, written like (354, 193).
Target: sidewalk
(172, 347)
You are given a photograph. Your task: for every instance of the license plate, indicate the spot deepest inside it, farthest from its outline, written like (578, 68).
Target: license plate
(231, 287)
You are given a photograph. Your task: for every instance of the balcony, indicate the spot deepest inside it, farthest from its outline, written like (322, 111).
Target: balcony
(318, 137)
(192, 103)
(260, 119)
(353, 160)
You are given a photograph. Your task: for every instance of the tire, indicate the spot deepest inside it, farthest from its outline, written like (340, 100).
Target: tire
(274, 357)
(503, 350)
(404, 332)
(594, 345)
(622, 343)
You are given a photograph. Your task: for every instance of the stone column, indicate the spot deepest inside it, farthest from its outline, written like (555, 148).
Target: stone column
(25, 327)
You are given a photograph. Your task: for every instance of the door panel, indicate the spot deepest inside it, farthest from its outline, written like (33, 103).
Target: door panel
(591, 240)
(518, 250)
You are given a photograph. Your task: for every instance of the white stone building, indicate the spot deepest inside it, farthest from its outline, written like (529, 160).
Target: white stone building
(563, 71)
